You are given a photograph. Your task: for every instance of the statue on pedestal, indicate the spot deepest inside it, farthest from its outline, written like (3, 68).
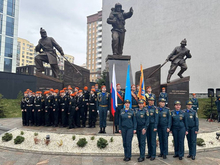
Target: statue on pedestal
(48, 54)
(117, 20)
(177, 59)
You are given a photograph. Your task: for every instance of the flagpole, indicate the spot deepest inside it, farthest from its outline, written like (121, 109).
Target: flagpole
(114, 124)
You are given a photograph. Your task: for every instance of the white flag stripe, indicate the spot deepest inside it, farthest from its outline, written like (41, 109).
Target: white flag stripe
(114, 85)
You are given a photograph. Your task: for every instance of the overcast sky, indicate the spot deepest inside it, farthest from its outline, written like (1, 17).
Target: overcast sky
(64, 20)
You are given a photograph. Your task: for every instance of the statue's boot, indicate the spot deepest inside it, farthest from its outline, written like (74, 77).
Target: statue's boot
(181, 72)
(168, 78)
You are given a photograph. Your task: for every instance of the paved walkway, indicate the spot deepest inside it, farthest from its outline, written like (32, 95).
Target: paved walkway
(16, 123)
(22, 158)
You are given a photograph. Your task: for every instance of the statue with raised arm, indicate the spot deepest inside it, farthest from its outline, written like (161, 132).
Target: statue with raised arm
(47, 53)
(178, 58)
(117, 20)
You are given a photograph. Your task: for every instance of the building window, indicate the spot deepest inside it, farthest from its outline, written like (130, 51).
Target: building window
(1, 5)
(10, 26)
(11, 8)
(7, 65)
(1, 18)
(8, 47)
(0, 43)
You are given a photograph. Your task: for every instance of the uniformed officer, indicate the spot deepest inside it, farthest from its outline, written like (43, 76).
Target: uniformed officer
(47, 108)
(127, 127)
(179, 128)
(103, 105)
(42, 117)
(92, 108)
(134, 97)
(37, 109)
(152, 130)
(217, 102)
(86, 97)
(56, 108)
(195, 102)
(24, 108)
(164, 125)
(163, 94)
(30, 109)
(149, 94)
(80, 107)
(142, 118)
(51, 97)
(193, 124)
(72, 110)
(64, 108)
(120, 101)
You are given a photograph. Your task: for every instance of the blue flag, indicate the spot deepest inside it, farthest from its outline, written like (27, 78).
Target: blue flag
(128, 86)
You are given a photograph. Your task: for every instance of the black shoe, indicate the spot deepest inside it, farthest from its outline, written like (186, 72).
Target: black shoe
(100, 130)
(180, 75)
(160, 155)
(193, 158)
(103, 130)
(83, 126)
(189, 156)
(89, 126)
(116, 131)
(180, 158)
(175, 156)
(127, 159)
(124, 158)
(69, 127)
(152, 158)
(148, 157)
(140, 159)
(164, 156)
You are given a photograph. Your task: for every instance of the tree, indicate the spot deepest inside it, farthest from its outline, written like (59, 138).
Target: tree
(102, 80)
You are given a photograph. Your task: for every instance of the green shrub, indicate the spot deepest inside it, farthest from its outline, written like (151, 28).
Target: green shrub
(82, 142)
(74, 137)
(2, 108)
(93, 137)
(7, 137)
(200, 142)
(22, 132)
(35, 134)
(19, 139)
(102, 143)
(111, 140)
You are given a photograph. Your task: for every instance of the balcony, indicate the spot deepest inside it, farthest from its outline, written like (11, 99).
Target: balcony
(98, 55)
(98, 61)
(98, 66)
(99, 44)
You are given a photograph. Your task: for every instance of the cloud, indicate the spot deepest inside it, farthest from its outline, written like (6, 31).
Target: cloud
(64, 20)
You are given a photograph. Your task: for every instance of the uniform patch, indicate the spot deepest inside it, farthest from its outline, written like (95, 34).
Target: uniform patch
(141, 116)
(48, 100)
(129, 116)
(151, 114)
(191, 117)
(65, 99)
(164, 115)
(70, 103)
(123, 113)
(55, 99)
(147, 113)
(156, 110)
(181, 118)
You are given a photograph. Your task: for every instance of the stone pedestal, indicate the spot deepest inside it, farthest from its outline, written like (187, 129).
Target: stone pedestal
(121, 65)
(177, 90)
(153, 81)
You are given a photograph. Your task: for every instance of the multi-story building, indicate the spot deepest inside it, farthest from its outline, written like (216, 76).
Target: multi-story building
(8, 34)
(94, 45)
(25, 52)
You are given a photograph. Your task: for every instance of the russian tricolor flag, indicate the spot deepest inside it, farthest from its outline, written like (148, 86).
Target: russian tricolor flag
(114, 99)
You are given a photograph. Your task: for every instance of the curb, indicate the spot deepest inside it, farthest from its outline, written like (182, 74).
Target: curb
(4, 128)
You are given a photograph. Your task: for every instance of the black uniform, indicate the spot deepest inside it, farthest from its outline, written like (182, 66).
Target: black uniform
(81, 105)
(51, 97)
(92, 110)
(42, 111)
(24, 110)
(30, 108)
(71, 111)
(47, 110)
(37, 111)
(64, 110)
(86, 96)
(56, 109)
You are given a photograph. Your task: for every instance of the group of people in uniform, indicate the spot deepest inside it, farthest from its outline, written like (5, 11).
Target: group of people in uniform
(147, 120)
(65, 108)
(69, 108)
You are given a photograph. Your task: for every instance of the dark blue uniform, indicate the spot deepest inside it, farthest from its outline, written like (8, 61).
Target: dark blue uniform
(193, 124)
(103, 105)
(151, 134)
(142, 118)
(164, 95)
(147, 96)
(217, 102)
(195, 105)
(86, 99)
(127, 125)
(134, 99)
(119, 107)
(164, 124)
(179, 126)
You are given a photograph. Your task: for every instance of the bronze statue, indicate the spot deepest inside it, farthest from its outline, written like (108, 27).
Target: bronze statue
(48, 54)
(117, 20)
(177, 59)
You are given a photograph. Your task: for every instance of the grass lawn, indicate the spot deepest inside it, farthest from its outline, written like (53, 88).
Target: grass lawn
(11, 107)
